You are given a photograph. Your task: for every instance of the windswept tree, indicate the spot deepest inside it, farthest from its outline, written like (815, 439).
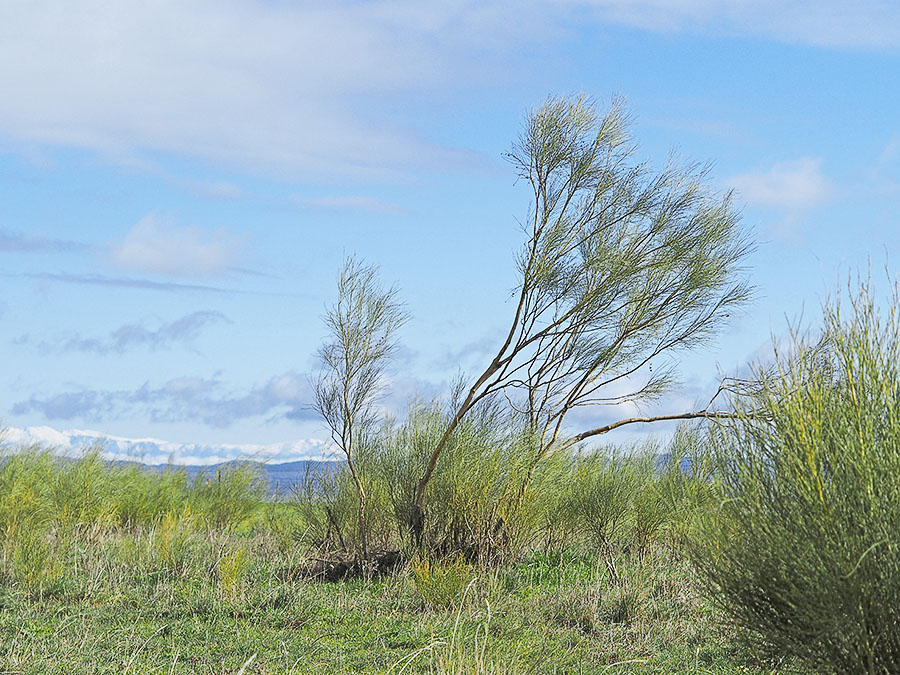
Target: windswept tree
(362, 326)
(623, 267)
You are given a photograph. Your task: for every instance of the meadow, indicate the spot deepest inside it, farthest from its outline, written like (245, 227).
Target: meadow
(760, 542)
(112, 569)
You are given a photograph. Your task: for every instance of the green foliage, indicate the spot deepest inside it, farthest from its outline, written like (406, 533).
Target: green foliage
(33, 560)
(686, 486)
(230, 496)
(25, 502)
(804, 548)
(81, 492)
(621, 264)
(362, 328)
(143, 495)
(144, 593)
(41, 489)
(482, 501)
(490, 499)
(170, 542)
(232, 569)
(441, 583)
(601, 496)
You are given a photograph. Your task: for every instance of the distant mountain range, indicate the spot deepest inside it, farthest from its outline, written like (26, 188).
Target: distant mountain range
(155, 451)
(281, 464)
(281, 479)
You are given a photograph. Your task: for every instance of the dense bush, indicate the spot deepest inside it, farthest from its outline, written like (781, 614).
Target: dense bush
(492, 498)
(39, 489)
(805, 548)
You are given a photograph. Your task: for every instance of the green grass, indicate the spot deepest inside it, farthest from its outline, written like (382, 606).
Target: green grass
(118, 606)
(112, 570)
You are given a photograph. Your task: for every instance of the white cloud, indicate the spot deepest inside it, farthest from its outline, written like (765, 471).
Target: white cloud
(314, 87)
(869, 24)
(796, 185)
(281, 86)
(73, 442)
(162, 247)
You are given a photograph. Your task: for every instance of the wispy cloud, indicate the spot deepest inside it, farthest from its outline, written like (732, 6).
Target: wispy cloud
(127, 282)
(163, 247)
(288, 67)
(353, 203)
(17, 242)
(796, 185)
(180, 331)
(868, 24)
(285, 66)
(195, 399)
(464, 356)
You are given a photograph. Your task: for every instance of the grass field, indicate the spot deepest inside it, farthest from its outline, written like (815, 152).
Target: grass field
(111, 606)
(112, 570)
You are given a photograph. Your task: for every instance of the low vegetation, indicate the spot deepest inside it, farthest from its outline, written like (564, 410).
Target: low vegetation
(123, 569)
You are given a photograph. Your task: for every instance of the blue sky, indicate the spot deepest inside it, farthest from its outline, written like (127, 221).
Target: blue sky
(180, 180)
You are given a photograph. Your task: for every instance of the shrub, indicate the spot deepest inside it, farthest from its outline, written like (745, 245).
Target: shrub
(34, 561)
(805, 547)
(171, 541)
(232, 567)
(144, 495)
(230, 496)
(441, 583)
(601, 496)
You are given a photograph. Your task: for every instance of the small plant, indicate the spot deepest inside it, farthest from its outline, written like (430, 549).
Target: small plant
(575, 607)
(441, 583)
(171, 543)
(34, 562)
(232, 568)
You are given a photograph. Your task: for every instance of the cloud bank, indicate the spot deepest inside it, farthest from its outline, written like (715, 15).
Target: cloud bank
(797, 185)
(184, 399)
(180, 331)
(309, 87)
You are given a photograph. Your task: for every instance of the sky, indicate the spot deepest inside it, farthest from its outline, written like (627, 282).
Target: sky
(181, 180)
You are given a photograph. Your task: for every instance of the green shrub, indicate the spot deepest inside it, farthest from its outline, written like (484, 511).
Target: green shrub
(805, 547)
(441, 583)
(483, 500)
(172, 538)
(232, 568)
(34, 561)
(25, 500)
(685, 484)
(601, 496)
(230, 496)
(143, 494)
(82, 491)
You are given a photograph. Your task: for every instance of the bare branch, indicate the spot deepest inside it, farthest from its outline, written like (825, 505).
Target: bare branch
(700, 414)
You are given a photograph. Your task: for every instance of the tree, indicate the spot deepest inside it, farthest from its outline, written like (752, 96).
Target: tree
(362, 327)
(622, 266)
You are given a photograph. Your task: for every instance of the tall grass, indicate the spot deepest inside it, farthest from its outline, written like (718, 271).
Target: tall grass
(136, 569)
(40, 489)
